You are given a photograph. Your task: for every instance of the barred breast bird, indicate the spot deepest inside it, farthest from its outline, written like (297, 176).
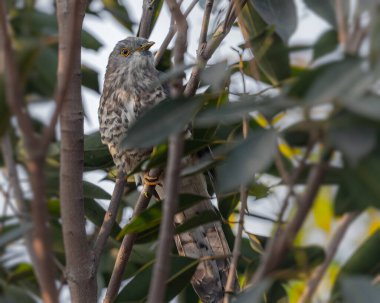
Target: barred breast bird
(131, 87)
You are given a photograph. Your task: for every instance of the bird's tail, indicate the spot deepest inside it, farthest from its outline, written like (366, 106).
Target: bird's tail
(207, 241)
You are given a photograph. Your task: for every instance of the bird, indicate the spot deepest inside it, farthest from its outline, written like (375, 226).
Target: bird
(131, 87)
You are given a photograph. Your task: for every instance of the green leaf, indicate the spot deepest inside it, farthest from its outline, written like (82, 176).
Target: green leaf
(358, 186)
(282, 14)
(13, 233)
(324, 9)
(119, 12)
(90, 78)
(235, 111)
(336, 80)
(227, 205)
(95, 213)
(360, 289)
(250, 156)
(253, 294)
(89, 41)
(367, 106)
(374, 36)
(326, 43)
(96, 154)
(90, 190)
(181, 271)
(164, 119)
(4, 110)
(270, 52)
(151, 217)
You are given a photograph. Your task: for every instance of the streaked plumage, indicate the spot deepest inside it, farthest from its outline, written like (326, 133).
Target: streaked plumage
(131, 87)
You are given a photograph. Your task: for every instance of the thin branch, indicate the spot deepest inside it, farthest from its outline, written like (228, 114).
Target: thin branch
(205, 23)
(165, 240)
(13, 92)
(341, 22)
(146, 18)
(281, 242)
(202, 58)
(231, 279)
(109, 218)
(171, 33)
(128, 241)
(65, 72)
(332, 248)
(173, 168)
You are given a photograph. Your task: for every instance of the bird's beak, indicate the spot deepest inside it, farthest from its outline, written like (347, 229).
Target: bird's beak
(146, 46)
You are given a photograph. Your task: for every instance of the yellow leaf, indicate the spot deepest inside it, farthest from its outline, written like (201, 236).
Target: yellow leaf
(277, 118)
(322, 210)
(261, 120)
(255, 243)
(294, 289)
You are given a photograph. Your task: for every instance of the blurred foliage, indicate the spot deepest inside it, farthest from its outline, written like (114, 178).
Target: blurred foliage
(334, 100)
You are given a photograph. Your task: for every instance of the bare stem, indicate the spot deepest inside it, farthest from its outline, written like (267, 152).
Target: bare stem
(332, 248)
(341, 22)
(171, 33)
(109, 218)
(165, 240)
(281, 242)
(146, 18)
(128, 241)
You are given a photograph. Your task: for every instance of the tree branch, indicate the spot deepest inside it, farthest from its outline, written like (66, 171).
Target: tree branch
(165, 240)
(80, 268)
(146, 18)
(206, 53)
(65, 71)
(171, 33)
(173, 168)
(281, 242)
(335, 241)
(12, 81)
(128, 241)
(109, 218)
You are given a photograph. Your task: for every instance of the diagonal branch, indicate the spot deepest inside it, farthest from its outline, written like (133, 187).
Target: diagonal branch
(330, 253)
(171, 33)
(128, 241)
(208, 50)
(109, 218)
(281, 242)
(149, 8)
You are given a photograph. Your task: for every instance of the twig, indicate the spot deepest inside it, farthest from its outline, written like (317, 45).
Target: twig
(335, 241)
(171, 33)
(109, 218)
(128, 241)
(280, 243)
(231, 279)
(341, 22)
(202, 58)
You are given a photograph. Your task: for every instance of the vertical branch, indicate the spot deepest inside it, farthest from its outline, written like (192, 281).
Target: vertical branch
(79, 260)
(146, 18)
(341, 22)
(165, 240)
(41, 244)
(176, 144)
(330, 253)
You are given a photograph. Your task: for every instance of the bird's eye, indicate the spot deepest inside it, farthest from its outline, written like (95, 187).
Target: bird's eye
(125, 52)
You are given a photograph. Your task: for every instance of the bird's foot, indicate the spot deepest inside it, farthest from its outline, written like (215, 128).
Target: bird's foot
(151, 181)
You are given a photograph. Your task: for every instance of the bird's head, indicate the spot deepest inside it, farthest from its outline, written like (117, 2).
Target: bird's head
(132, 52)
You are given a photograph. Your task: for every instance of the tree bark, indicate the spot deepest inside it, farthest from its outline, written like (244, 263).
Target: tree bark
(79, 258)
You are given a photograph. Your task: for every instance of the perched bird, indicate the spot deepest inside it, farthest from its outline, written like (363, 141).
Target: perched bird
(131, 87)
